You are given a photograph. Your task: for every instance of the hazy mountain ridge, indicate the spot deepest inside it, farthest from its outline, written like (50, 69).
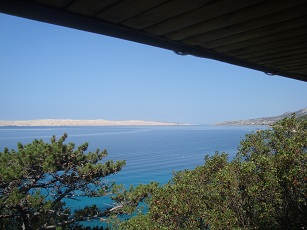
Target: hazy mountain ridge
(99, 122)
(266, 120)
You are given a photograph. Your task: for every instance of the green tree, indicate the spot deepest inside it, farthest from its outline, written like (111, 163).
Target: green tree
(36, 179)
(273, 174)
(264, 187)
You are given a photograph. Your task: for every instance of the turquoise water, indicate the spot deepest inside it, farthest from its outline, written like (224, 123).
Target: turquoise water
(151, 153)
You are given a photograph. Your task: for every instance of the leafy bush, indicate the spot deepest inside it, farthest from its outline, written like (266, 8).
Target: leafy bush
(264, 187)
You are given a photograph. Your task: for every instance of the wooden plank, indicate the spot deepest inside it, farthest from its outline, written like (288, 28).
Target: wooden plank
(162, 12)
(289, 67)
(256, 33)
(274, 50)
(294, 68)
(302, 72)
(282, 56)
(55, 3)
(293, 62)
(209, 11)
(124, 10)
(246, 26)
(90, 7)
(282, 61)
(267, 46)
(278, 56)
(290, 62)
(231, 21)
(241, 46)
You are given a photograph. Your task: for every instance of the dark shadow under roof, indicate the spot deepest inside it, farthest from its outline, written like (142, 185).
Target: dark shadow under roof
(265, 35)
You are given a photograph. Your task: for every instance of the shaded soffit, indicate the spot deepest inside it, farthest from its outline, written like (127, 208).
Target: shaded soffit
(265, 35)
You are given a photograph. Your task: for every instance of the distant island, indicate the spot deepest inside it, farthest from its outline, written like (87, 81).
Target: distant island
(99, 122)
(266, 120)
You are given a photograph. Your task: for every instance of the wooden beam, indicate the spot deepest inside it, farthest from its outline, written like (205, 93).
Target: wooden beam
(211, 10)
(258, 33)
(274, 50)
(161, 13)
(245, 26)
(275, 44)
(90, 7)
(278, 56)
(232, 22)
(63, 17)
(282, 60)
(235, 48)
(128, 9)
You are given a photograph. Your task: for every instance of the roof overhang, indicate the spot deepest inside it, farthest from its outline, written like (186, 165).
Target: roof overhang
(265, 35)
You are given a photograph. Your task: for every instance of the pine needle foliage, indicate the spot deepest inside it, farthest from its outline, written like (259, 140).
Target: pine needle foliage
(36, 179)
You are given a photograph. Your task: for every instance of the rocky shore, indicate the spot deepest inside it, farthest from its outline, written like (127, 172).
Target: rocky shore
(265, 120)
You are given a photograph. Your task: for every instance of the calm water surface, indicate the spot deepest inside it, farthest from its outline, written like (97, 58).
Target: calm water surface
(151, 153)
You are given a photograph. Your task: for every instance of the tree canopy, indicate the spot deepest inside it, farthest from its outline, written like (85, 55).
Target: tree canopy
(37, 178)
(264, 187)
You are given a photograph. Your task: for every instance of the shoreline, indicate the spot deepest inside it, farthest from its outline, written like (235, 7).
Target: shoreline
(71, 122)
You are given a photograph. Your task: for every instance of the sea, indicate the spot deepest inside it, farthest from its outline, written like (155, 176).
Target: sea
(152, 153)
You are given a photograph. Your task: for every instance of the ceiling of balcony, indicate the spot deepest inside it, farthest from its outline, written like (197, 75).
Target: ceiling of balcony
(265, 35)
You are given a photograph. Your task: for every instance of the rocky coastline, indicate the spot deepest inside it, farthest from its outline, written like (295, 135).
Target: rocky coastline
(265, 120)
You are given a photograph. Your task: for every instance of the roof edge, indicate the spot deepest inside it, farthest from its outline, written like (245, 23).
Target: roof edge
(29, 10)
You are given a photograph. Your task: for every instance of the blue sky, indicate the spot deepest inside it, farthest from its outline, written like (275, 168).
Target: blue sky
(49, 71)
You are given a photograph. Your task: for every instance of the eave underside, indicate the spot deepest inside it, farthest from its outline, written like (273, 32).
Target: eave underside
(265, 35)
